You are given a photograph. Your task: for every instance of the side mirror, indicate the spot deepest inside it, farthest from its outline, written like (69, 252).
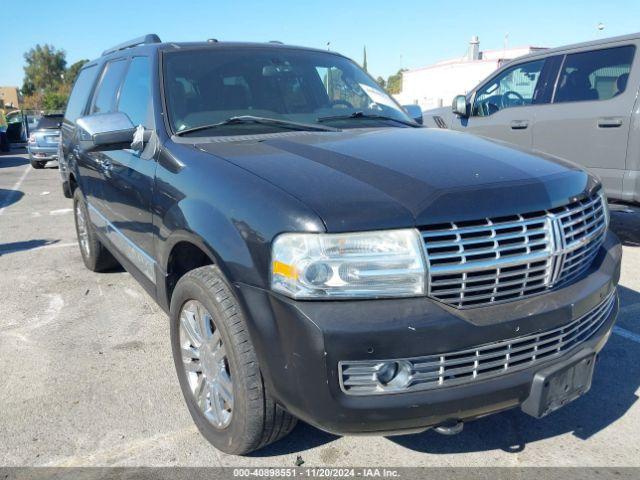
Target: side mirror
(105, 131)
(414, 112)
(460, 106)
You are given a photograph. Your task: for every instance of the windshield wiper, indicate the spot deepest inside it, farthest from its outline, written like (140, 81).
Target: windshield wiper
(373, 116)
(245, 119)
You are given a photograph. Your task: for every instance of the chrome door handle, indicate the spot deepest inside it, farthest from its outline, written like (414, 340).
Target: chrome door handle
(519, 124)
(609, 122)
(106, 165)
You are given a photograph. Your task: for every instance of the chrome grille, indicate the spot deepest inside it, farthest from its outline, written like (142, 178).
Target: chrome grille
(500, 259)
(463, 366)
(581, 224)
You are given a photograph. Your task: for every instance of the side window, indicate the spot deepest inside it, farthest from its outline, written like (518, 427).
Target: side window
(80, 93)
(512, 88)
(135, 94)
(596, 75)
(105, 98)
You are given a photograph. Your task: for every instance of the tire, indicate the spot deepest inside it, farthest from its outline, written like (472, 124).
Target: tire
(94, 255)
(255, 420)
(66, 190)
(36, 163)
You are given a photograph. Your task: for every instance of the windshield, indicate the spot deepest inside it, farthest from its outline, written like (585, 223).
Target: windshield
(208, 86)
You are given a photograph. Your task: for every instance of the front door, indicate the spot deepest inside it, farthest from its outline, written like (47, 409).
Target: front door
(504, 107)
(129, 175)
(589, 117)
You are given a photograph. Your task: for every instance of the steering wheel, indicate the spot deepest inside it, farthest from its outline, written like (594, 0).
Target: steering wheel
(343, 103)
(511, 98)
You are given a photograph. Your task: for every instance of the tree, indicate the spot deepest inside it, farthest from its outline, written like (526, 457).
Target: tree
(44, 69)
(364, 61)
(72, 72)
(53, 100)
(381, 81)
(394, 82)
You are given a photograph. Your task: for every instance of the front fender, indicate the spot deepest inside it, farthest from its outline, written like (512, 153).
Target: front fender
(196, 222)
(229, 213)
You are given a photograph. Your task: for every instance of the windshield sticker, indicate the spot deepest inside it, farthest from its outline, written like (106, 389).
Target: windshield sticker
(377, 96)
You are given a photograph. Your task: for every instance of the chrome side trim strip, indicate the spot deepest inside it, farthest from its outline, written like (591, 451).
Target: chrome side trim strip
(135, 254)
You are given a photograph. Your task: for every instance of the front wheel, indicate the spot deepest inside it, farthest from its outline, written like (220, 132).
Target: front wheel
(217, 366)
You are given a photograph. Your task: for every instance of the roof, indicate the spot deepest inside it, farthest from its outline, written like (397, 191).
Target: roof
(590, 43)
(152, 42)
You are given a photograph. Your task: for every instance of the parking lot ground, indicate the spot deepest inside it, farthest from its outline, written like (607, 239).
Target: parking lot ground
(87, 378)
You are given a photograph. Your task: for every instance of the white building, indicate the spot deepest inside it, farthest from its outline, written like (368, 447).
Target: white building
(435, 85)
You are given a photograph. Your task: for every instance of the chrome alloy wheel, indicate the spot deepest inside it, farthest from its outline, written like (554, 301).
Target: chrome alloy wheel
(83, 231)
(206, 364)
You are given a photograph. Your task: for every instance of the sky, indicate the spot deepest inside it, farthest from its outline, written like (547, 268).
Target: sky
(402, 33)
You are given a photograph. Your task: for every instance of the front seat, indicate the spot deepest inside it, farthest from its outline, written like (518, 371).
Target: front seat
(235, 97)
(621, 84)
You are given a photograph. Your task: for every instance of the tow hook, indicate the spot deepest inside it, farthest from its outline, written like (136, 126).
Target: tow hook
(449, 428)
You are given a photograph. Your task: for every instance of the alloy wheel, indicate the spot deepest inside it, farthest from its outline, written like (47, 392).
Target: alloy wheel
(83, 231)
(206, 364)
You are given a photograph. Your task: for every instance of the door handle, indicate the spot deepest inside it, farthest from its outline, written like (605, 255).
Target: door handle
(609, 122)
(519, 124)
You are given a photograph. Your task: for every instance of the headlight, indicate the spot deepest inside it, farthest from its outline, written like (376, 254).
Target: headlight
(349, 265)
(605, 206)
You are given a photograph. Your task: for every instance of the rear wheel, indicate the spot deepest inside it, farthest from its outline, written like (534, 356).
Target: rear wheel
(217, 366)
(94, 255)
(37, 164)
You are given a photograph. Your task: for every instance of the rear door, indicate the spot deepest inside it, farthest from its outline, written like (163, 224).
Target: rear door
(76, 108)
(504, 107)
(129, 175)
(588, 119)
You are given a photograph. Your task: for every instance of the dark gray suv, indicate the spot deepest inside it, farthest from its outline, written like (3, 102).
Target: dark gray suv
(324, 257)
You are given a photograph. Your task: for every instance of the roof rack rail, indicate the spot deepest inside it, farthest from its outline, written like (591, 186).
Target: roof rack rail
(144, 40)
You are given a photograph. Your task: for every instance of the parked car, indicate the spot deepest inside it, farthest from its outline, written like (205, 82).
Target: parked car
(324, 257)
(577, 102)
(44, 140)
(21, 122)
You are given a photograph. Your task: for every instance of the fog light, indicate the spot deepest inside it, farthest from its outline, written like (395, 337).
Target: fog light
(393, 375)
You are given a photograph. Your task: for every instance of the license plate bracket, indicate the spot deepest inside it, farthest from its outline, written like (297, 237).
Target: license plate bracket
(558, 385)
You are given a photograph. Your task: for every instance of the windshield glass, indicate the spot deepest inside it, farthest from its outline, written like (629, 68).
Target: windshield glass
(208, 86)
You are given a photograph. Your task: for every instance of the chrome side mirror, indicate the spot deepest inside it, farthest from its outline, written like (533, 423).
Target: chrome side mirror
(105, 131)
(460, 106)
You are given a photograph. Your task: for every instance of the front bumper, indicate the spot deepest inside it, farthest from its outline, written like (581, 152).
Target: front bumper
(43, 153)
(300, 345)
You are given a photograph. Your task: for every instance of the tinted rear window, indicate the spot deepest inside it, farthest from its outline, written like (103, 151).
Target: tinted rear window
(80, 93)
(49, 122)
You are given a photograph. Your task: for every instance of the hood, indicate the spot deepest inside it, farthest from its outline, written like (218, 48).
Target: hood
(363, 179)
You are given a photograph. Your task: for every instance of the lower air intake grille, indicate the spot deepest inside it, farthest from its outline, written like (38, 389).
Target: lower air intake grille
(465, 366)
